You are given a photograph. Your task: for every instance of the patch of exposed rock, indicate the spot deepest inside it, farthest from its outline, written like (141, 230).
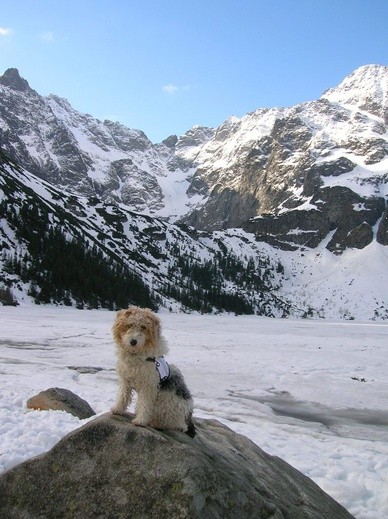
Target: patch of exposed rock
(59, 399)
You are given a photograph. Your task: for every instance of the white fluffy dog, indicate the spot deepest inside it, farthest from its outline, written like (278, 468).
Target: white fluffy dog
(163, 402)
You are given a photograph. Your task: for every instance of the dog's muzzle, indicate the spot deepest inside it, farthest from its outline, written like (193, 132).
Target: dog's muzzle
(133, 342)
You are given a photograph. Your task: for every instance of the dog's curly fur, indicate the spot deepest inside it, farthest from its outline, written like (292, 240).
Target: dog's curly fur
(161, 405)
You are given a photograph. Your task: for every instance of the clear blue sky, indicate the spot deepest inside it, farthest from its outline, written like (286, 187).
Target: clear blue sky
(163, 66)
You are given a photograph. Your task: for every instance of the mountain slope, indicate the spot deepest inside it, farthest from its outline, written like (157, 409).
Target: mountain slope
(124, 257)
(42, 229)
(243, 218)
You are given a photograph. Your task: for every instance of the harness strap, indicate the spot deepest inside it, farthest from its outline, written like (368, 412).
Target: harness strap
(161, 366)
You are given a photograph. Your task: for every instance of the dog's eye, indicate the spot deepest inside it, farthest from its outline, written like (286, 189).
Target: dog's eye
(142, 328)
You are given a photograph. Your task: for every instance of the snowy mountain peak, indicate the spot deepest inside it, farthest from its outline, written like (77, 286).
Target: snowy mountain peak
(12, 79)
(366, 89)
(196, 136)
(53, 100)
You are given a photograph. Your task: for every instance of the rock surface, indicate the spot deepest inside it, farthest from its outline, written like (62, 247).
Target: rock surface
(59, 399)
(110, 468)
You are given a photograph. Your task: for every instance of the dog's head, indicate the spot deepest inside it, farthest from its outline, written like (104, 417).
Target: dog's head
(137, 330)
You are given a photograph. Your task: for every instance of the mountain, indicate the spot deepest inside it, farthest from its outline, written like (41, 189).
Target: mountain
(245, 217)
(77, 152)
(290, 175)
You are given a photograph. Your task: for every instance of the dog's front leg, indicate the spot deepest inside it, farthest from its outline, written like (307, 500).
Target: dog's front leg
(145, 406)
(124, 399)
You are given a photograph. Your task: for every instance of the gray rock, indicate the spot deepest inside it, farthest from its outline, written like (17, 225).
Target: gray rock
(12, 79)
(60, 399)
(382, 232)
(171, 141)
(110, 468)
(86, 370)
(338, 209)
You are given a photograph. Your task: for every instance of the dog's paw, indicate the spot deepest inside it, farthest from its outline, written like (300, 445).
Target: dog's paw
(139, 423)
(117, 410)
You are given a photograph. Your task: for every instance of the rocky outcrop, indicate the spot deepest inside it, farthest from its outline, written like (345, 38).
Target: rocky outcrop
(59, 399)
(382, 231)
(110, 468)
(349, 217)
(12, 79)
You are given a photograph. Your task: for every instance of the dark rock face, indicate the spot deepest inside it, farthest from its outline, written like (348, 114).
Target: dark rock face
(337, 209)
(382, 232)
(171, 141)
(110, 468)
(291, 230)
(60, 399)
(11, 78)
(225, 208)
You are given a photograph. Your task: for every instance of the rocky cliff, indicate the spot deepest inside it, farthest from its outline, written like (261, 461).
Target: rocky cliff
(295, 174)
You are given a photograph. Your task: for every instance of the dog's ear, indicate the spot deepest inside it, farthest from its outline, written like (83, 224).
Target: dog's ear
(154, 319)
(127, 311)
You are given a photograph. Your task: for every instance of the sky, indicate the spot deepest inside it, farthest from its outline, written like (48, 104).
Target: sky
(165, 66)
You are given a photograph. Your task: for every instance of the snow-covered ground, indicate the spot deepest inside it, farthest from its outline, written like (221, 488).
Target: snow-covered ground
(312, 392)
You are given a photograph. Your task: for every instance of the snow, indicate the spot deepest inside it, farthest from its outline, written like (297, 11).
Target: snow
(234, 139)
(369, 82)
(176, 200)
(365, 181)
(312, 392)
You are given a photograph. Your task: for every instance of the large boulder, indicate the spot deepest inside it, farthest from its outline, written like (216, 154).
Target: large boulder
(110, 468)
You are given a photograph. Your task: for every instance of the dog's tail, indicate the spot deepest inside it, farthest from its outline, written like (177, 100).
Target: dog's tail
(191, 430)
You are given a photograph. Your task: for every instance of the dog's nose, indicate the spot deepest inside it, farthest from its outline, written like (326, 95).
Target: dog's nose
(133, 342)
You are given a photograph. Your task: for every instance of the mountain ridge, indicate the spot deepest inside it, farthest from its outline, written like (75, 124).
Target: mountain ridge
(269, 162)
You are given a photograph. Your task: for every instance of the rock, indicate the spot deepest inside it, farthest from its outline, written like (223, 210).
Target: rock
(12, 79)
(110, 468)
(171, 141)
(59, 399)
(338, 209)
(382, 231)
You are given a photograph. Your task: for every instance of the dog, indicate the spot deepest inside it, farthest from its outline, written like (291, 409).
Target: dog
(163, 399)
